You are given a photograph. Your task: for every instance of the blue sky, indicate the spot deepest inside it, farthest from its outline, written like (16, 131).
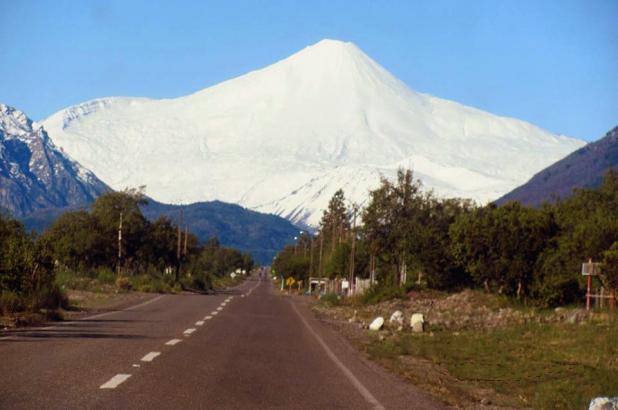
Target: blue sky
(552, 63)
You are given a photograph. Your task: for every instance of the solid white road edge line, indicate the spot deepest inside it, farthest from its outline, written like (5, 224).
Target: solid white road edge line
(173, 342)
(115, 381)
(150, 356)
(347, 372)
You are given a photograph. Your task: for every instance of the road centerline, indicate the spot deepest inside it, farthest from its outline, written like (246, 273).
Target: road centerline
(150, 356)
(115, 381)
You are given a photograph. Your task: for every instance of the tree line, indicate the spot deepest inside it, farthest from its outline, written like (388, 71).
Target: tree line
(407, 234)
(95, 244)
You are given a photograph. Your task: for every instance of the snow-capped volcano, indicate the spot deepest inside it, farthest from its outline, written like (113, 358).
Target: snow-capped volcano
(284, 138)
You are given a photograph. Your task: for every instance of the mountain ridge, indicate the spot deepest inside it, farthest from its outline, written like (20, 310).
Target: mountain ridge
(261, 235)
(584, 168)
(34, 173)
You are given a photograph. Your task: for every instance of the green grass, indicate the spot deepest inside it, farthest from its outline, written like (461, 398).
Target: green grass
(382, 293)
(558, 366)
(227, 281)
(331, 299)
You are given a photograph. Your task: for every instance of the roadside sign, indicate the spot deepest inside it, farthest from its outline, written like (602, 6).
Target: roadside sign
(290, 281)
(590, 268)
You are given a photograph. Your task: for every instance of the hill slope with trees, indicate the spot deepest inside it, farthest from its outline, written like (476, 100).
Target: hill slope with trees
(583, 168)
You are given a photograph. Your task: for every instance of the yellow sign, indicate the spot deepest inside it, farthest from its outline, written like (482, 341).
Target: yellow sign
(290, 281)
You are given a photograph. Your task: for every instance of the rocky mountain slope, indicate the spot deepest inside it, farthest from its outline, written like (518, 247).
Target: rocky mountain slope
(34, 174)
(584, 168)
(284, 138)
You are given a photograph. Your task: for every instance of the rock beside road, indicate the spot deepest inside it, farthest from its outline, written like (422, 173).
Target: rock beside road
(604, 403)
(377, 324)
(417, 322)
(396, 318)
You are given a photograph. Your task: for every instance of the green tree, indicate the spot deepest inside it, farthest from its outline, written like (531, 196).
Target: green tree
(106, 210)
(500, 246)
(395, 223)
(610, 266)
(75, 240)
(335, 223)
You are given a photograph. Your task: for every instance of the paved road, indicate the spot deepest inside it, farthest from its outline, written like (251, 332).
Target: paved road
(249, 348)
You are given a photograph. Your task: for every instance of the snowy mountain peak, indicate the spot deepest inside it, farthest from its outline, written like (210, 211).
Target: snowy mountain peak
(34, 174)
(284, 138)
(14, 122)
(326, 51)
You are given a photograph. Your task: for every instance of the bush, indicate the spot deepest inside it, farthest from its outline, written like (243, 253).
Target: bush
(331, 298)
(381, 293)
(123, 283)
(106, 275)
(10, 302)
(199, 282)
(149, 283)
(49, 297)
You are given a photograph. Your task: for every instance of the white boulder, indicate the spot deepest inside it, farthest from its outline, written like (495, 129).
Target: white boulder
(604, 403)
(396, 318)
(417, 321)
(377, 323)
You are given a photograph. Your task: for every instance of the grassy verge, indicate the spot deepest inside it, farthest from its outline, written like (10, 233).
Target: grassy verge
(227, 281)
(544, 366)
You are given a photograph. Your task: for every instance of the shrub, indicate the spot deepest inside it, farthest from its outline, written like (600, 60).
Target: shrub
(123, 283)
(10, 302)
(50, 297)
(106, 275)
(331, 298)
(381, 293)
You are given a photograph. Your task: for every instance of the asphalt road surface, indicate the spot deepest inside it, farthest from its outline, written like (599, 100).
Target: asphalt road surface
(247, 348)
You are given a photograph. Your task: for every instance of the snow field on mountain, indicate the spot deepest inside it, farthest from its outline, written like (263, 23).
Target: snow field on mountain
(283, 139)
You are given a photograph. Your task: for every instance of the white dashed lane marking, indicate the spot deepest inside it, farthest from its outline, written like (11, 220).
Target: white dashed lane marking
(199, 323)
(150, 356)
(173, 342)
(208, 317)
(189, 331)
(214, 313)
(115, 381)
(219, 308)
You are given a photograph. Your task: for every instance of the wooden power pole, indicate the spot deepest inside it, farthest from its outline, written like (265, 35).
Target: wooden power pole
(178, 243)
(352, 250)
(119, 245)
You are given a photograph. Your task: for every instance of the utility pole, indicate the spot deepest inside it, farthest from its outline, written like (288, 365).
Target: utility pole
(186, 240)
(178, 243)
(352, 251)
(321, 247)
(119, 245)
(334, 238)
(311, 258)
(372, 269)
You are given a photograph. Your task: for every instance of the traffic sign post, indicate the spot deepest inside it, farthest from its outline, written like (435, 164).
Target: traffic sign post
(290, 281)
(589, 269)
